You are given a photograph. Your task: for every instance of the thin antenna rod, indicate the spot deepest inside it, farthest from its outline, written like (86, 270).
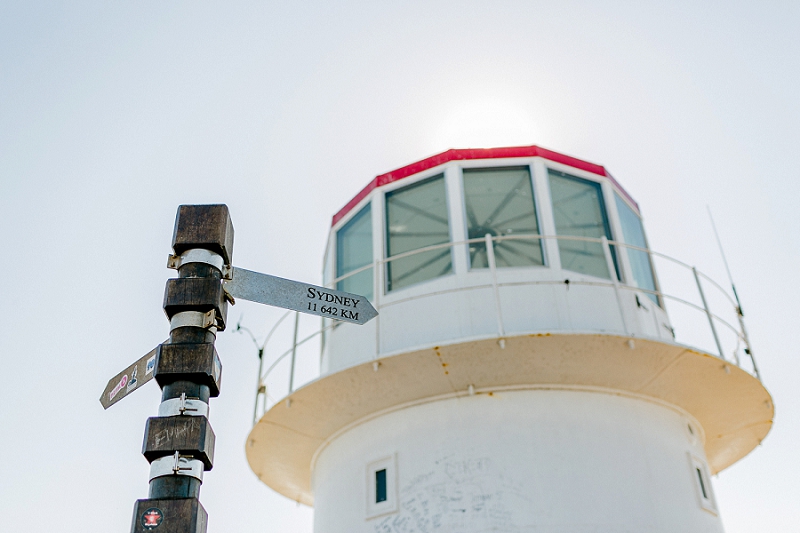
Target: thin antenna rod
(725, 260)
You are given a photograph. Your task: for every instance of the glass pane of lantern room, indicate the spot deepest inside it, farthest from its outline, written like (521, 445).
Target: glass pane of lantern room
(416, 217)
(499, 201)
(633, 233)
(578, 211)
(353, 251)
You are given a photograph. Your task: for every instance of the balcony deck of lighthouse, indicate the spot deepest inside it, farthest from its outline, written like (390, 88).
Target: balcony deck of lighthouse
(523, 372)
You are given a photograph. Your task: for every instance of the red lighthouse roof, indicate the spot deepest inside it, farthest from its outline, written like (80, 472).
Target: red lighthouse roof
(464, 154)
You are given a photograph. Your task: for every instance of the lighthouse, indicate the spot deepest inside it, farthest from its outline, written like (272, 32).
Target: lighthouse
(528, 370)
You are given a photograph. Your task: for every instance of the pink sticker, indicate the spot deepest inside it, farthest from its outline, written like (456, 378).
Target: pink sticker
(119, 387)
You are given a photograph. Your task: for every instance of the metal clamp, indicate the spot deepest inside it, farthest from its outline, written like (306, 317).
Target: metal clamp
(176, 465)
(200, 255)
(183, 406)
(196, 319)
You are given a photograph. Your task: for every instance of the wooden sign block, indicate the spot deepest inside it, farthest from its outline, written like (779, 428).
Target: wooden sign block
(196, 294)
(188, 435)
(198, 363)
(204, 226)
(184, 515)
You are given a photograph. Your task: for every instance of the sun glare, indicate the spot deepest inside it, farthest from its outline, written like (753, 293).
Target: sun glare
(485, 123)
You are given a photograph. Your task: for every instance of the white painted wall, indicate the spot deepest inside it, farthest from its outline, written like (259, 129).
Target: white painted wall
(544, 461)
(461, 307)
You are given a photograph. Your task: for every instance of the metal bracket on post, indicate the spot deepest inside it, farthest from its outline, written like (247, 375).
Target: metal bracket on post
(195, 319)
(183, 406)
(200, 255)
(177, 465)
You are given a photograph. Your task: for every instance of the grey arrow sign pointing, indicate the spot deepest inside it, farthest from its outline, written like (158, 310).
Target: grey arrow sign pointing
(130, 379)
(297, 296)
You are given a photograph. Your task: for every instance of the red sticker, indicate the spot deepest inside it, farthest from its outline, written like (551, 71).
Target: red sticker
(152, 518)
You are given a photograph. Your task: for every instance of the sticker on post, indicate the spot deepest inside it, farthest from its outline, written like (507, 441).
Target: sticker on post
(133, 382)
(151, 365)
(152, 518)
(118, 387)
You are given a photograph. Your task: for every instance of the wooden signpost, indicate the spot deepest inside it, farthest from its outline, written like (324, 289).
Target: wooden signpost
(179, 442)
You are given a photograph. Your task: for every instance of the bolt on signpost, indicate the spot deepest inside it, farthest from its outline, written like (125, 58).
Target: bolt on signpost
(179, 442)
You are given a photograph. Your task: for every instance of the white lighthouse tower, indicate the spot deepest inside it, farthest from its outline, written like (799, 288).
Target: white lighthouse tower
(524, 373)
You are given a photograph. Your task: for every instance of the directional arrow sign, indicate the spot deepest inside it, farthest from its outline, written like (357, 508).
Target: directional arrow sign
(129, 379)
(264, 289)
(297, 296)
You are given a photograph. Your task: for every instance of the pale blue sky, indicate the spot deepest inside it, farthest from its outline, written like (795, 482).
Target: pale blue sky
(114, 113)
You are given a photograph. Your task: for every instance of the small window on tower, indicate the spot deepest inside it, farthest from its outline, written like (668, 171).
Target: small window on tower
(703, 491)
(382, 487)
(702, 484)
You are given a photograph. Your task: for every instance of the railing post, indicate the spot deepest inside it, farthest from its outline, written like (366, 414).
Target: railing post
(655, 315)
(613, 273)
(708, 312)
(322, 340)
(294, 351)
(493, 269)
(259, 385)
(377, 291)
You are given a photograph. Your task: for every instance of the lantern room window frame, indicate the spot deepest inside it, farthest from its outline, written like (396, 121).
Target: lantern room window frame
(591, 250)
(350, 231)
(534, 242)
(452, 174)
(428, 259)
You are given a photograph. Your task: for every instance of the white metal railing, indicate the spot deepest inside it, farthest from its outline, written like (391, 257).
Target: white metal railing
(316, 334)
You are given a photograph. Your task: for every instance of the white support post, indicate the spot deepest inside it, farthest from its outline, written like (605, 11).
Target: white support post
(259, 385)
(708, 313)
(493, 269)
(655, 316)
(613, 273)
(294, 351)
(377, 290)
